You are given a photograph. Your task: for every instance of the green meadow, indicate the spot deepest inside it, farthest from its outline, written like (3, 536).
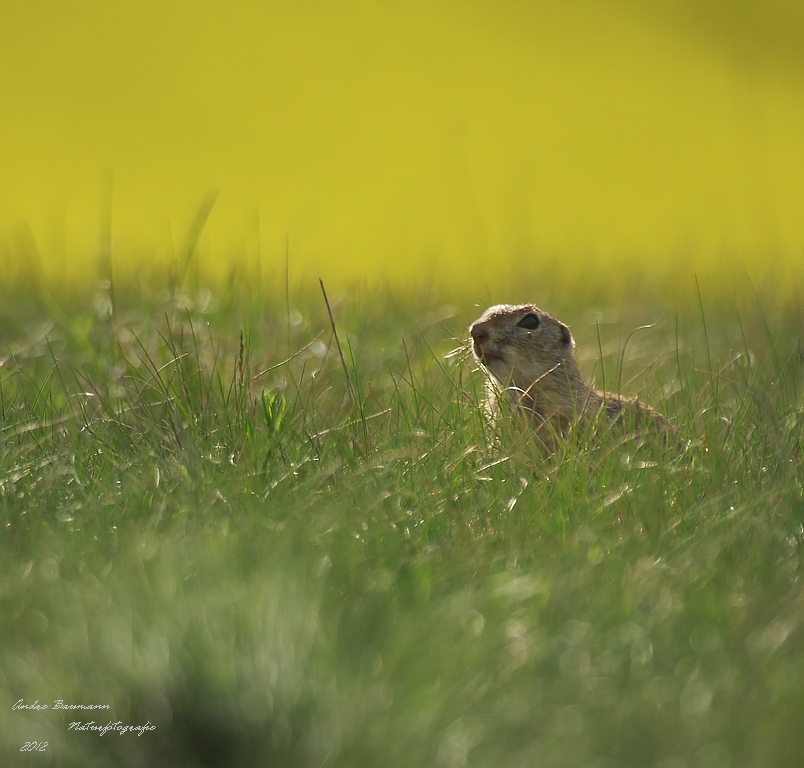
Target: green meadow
(279, 547)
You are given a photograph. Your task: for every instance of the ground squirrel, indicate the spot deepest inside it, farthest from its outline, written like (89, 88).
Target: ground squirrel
(531, 356)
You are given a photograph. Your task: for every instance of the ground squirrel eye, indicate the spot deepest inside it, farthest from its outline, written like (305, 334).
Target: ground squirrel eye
(529, 322)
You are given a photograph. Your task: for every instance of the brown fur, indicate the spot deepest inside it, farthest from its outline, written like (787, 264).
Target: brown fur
(536, 368)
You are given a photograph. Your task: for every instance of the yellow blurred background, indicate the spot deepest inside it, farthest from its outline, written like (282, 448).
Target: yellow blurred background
(457, 140)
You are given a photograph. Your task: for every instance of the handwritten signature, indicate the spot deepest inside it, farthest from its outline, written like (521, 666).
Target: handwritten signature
(118, 726)
(58, 704)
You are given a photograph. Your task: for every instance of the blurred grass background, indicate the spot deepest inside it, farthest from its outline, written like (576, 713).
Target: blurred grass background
(275, 567)
(408, 140)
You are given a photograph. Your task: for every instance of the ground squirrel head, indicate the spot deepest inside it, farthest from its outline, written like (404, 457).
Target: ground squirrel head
(525, 347)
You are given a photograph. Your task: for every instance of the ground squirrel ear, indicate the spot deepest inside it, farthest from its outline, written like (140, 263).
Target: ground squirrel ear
(566, 336)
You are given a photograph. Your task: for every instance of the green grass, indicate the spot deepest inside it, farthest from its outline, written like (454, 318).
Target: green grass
(287, 569)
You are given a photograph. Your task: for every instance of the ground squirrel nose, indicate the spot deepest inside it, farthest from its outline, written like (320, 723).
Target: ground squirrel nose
(479, 333)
